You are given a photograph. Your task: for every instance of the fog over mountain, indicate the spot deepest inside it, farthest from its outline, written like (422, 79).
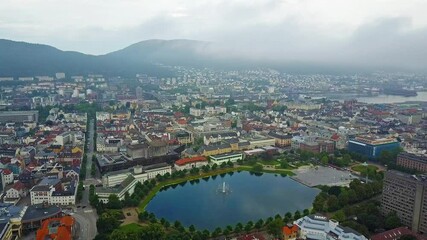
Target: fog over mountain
(306, 35)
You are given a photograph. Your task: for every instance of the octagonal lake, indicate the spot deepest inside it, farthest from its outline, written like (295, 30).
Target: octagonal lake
(209, 203)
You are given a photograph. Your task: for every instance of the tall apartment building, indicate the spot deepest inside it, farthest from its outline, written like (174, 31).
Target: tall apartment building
(412, 161)
(406, 195)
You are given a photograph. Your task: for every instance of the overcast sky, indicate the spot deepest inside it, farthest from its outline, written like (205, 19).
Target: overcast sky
(381, 32)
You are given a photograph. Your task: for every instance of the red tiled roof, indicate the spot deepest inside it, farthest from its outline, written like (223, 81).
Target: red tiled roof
(184, 161)
(396, 233)
(290, 230)
(18, 185)
(335, 137)
(6, 171)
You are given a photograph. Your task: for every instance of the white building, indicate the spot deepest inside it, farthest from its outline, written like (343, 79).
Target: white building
(18, 190)
(196, 112)
(54, 191)
(6, 177)
(228, 157)
(321, 228)
(140, 173)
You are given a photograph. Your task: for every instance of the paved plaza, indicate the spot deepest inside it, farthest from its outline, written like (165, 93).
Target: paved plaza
(319, 175)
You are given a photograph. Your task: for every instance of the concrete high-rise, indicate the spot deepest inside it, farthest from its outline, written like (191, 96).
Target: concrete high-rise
(406, 195)
(138, 92)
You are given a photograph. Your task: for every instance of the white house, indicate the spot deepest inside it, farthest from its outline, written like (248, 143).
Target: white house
(18, 190)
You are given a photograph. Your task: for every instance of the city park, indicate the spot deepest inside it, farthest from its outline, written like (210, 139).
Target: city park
(130, 219)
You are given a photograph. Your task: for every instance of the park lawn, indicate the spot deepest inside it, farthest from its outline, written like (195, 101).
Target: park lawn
(131, 227)
(269, 162)
(360, 168)
(219, 171)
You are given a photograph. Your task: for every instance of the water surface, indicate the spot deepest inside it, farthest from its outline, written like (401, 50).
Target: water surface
(252, 197)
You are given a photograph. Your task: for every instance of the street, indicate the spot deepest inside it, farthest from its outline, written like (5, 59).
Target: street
(86, 216)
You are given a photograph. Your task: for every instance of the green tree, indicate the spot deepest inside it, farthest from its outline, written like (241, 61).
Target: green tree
(257, 168)
(324, 160)
(114, 202)
(297, 215)
(275, 228)
(333, 203)
(392, 221)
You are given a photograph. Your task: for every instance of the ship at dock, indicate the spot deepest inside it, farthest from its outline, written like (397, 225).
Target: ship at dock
(400, 92)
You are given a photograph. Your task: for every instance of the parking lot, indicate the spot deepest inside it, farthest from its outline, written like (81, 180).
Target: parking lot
(319, 175)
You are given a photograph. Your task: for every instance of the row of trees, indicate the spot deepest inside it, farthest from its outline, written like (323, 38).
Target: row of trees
(93, 166)
(336, 197)
(272, 225)
(82, 175)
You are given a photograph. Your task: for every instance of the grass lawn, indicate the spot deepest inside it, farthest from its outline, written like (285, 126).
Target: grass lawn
(131, 227)
(269, 162)
(360, 168)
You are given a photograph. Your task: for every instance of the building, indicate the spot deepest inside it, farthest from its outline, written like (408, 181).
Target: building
(126, 186)
(281, 140)
(412, 161)
(6, 177)
(290, 231)
(138, 93)
(16, 191)
(396, 234)
(184, 137)
(189, 163)
(63, 228)
(318, 146)
(10, 221)
(196, 112)
(59, 75)
(317, 227)
(52, 190)
(224, 158)
(406, 195)
(35, 214)
(372, 147)
(19, 116)
(140, 173)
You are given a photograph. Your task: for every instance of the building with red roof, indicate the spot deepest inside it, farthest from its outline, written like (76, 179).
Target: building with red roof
(57, 228)
(189, 163)
(290, 231)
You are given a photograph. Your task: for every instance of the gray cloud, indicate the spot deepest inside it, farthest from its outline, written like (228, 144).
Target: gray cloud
(362, 33)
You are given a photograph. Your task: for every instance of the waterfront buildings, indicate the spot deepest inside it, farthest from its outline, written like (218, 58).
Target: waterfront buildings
(406, 195)
(189, 163)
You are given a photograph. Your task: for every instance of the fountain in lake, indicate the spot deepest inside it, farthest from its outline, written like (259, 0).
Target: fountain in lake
(224, 189)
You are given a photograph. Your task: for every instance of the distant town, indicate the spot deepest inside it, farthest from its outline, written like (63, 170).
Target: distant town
(321, 156)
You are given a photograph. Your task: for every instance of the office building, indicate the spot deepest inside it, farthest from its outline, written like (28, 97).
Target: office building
(370, 146)
(19, 116)
(406, 195)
